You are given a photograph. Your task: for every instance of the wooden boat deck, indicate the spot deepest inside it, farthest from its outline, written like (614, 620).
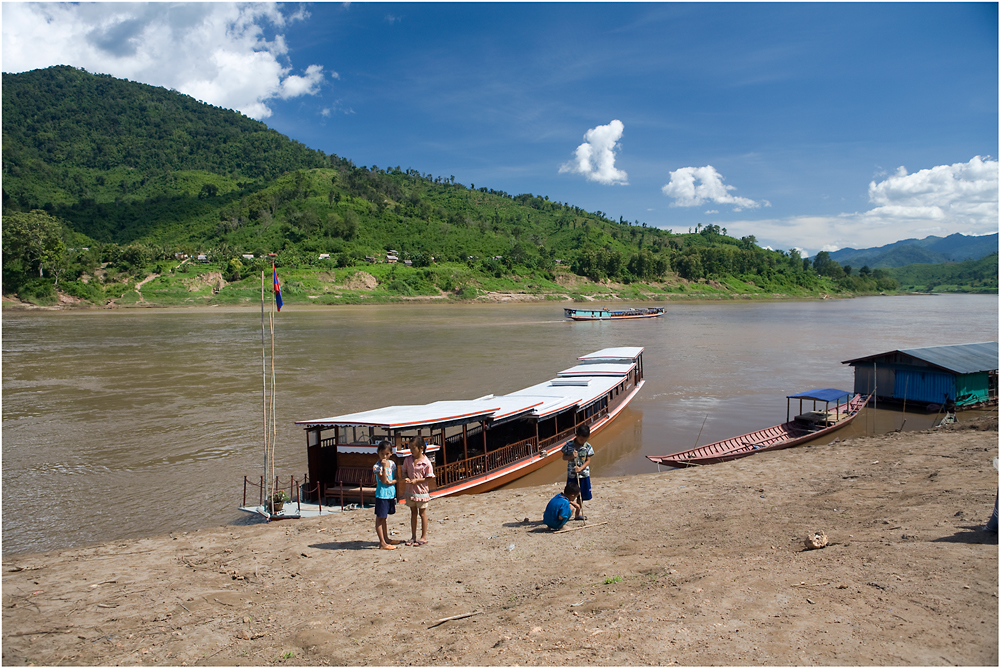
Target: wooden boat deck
(305, 509)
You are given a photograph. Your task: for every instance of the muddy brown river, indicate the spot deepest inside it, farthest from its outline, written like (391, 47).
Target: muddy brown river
(129, 423)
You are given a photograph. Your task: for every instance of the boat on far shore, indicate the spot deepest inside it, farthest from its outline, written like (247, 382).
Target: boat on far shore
(806, 426)
(620, 314)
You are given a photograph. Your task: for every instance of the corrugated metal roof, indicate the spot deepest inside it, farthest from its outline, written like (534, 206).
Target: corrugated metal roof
(965, 358)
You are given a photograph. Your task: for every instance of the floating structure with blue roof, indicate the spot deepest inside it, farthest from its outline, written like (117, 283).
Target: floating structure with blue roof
(964, 375)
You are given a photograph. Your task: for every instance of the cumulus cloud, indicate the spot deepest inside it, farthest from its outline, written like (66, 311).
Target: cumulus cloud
(294, 86)
(943, 200)
(964, 193)
(217, 53)
(694, 186)
(595, 158)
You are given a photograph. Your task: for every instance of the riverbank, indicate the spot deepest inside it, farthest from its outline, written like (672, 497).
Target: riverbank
(66, 303)
(702, 566)
(205, 285)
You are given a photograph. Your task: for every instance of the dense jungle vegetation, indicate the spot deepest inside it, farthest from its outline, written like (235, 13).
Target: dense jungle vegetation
(977, 276)
(107, 184)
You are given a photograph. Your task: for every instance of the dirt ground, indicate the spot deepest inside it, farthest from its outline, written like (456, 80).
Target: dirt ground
(702, 566)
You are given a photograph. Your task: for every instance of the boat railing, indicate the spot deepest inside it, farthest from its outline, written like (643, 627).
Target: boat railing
(567, 434)
(476, 465)
(481, 464)
(432, 439)
(254, 487)
(457, 439)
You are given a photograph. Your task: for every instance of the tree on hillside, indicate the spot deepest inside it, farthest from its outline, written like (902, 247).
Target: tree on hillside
(33, 240)
(825, 266)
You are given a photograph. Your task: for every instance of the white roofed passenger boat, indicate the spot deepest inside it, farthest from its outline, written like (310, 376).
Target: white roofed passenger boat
(475, 445)
(618, 314)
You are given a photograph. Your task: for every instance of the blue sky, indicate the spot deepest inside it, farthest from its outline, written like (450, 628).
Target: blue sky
(813, 126)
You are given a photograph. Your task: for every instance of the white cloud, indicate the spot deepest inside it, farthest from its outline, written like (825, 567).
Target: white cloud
(215, 52)
(295, 86)
(963, 194)
(595, 158)
(948, 199)
(694, 186)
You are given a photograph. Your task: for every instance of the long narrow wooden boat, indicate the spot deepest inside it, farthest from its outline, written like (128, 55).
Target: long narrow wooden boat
(803, 428)
(476, 445)
(607, 314)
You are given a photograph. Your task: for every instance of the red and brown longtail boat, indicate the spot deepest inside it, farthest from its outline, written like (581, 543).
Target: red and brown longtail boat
(806, 426)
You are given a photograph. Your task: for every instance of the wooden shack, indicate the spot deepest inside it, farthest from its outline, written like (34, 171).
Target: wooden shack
(965, 375)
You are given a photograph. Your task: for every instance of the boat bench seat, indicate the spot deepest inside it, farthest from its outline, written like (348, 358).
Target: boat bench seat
(356, 480)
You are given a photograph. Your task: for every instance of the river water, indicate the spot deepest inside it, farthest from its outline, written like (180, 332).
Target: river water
(138, 422)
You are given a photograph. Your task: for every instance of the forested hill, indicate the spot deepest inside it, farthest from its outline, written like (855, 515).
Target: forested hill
(63, 123)
(929, 250)
(135, 174)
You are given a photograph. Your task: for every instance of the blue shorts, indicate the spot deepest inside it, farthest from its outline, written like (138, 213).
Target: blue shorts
(385, 507)
(584, 485)
(558, 524)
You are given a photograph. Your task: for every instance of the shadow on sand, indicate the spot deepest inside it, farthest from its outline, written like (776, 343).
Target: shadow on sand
(973, 535)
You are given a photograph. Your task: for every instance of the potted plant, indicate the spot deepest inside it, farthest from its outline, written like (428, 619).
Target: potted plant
(277, 501)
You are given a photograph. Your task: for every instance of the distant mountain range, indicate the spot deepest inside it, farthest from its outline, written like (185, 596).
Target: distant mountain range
(931, 250)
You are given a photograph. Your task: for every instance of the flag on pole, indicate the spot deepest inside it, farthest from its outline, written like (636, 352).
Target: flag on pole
(277, 288)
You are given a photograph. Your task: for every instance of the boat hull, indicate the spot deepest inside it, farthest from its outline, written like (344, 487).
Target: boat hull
(779, 437)
(500, 477)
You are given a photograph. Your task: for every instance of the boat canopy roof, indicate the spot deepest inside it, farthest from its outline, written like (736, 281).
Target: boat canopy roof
(437, 413)
(828, 394)
(613, 354)
(585, 384)
(561, 393)
(598, 369)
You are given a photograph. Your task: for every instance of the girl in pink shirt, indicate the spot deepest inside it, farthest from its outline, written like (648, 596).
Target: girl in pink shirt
(418, 474)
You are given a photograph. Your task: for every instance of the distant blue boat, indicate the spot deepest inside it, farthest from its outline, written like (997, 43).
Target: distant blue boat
(607, 314)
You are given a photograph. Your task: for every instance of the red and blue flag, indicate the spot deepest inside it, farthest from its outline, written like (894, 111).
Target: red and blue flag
(277, 288)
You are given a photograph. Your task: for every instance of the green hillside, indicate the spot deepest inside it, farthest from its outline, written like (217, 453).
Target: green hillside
(978, 276)
(106, 181)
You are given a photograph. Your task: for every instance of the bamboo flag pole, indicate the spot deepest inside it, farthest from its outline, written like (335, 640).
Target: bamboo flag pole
(265, 485)
(272, 424)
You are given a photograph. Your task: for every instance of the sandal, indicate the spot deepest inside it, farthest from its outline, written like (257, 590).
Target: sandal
(582, 518)
(409, 543)
(420, 542)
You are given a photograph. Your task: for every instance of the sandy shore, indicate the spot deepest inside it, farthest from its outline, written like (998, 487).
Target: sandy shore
(700, 566)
